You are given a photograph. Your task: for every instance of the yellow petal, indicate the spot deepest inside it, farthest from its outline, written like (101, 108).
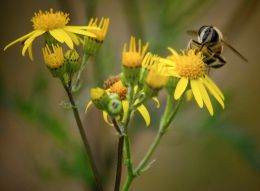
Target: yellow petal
(61, 36)
(173, 52)
(167, 62)
(93, 28)
(145, 114)
(79, 31)
(74, 38)
(88, 105)
(214, 93)
(180, 88)
(156, 101)
(30, 52)
(213, 85)
(125, 109)
(105, 116)
(19, 39)
(28, 42)
(205, 98)
(196, 92)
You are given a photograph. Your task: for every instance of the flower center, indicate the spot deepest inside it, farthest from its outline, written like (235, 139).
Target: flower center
(110, 81)
(190, 65)
(49, 20)
(119, 89)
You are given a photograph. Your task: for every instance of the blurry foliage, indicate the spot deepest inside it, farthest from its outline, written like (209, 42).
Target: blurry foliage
(69, 156)
(221, 130)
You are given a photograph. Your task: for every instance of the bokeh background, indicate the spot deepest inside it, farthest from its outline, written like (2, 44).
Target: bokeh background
(40, 147)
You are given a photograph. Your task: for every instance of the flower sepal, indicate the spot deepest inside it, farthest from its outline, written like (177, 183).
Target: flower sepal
(91, 46)
(171, 84)
(131, 75)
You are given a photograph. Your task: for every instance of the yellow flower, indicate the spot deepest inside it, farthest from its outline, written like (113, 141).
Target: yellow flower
(53, 59)
(119, 89)
(55, 24)
(102, 26)
(133, 57)
(156, 78)
(191, 69)
(97, 93)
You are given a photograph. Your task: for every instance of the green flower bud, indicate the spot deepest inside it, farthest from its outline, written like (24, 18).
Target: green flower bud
(100, 98)
(114, 106)
(72, 61)
(54, 60)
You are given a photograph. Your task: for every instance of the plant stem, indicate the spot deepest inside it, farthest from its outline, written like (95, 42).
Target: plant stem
(83, 136)
(119, 155)
(167, 118)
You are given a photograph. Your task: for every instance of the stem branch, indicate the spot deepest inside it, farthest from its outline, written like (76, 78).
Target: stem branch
(169, 114)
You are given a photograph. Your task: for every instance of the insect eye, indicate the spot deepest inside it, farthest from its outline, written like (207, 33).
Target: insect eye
(201, 29)
(214, 36)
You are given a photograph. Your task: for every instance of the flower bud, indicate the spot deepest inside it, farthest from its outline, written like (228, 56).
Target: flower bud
(114, 106)
(99, 97)
(72, 61)
(54, 60)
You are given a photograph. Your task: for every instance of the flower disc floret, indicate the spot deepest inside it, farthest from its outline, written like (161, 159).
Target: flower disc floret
(49, 20)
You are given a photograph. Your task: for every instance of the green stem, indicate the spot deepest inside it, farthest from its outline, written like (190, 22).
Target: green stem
(83, 65)
(83, 136)
(119, 155)
(169, 114)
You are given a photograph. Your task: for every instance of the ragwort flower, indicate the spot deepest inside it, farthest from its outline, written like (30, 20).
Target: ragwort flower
(54, 60)
(191, 70)
(132, 60)
(92, 44)
(55, 25)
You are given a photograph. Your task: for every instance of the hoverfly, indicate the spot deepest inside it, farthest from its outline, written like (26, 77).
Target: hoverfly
(210, 43)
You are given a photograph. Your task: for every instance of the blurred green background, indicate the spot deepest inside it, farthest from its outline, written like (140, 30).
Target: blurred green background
(40, 147)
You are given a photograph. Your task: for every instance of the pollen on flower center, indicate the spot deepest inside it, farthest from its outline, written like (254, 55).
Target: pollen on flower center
(119, 89)
(49, 20)
(190, 65)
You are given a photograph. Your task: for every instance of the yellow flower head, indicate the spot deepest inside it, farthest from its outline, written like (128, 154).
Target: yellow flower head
(191, 69)
(102, 26)
(97, 93)
(133, 57)
(55, 25)
(156, 77)
(53, 59)
(119, 89)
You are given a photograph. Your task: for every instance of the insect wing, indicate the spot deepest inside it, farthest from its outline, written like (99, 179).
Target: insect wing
(193, 33)
(235, 51)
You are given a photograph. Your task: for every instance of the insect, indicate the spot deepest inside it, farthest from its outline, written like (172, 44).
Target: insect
(210, 43)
